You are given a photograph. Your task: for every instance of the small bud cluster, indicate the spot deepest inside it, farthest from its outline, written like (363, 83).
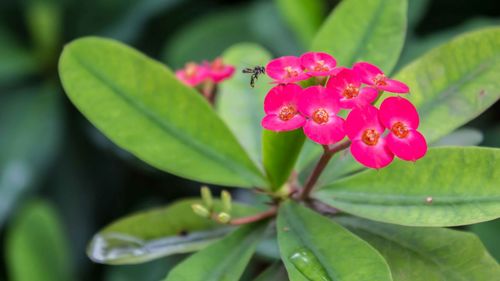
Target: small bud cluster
(194, 74)
(315, 109)
(207, 209)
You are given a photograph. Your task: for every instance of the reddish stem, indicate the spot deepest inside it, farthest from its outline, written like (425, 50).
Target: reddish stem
(257, 217)
(329, 151)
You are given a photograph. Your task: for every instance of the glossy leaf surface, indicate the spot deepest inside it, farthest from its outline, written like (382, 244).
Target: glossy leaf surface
(222, 261)
(159, 232)
(449, 186)
(303, 16)
(140, 105)
(364, 30)
(240, 105)
(37, 248)
(314, 248)
(280, 152)
(427, 254)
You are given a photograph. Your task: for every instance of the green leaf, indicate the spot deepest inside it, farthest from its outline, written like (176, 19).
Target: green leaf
(416, 11)
(37, 248)
(364, 30)
(151, 271)
(461, 137)
(280, 152)
(159, 232)
(489, 232)
(303, 16)
(449, 186)
(427, 254)
(222, 261)
(454, 83)
(314, 247)
(140, 105)
(240, 105)
(275, 272)
(25, 156)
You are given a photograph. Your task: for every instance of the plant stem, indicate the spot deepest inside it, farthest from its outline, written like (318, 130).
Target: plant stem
(257, 217)
(208, 90)
(329, 151)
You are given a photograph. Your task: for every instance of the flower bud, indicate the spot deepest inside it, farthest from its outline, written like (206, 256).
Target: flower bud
(206, 195)
(200, 210)
(223, 217)
(226, 201)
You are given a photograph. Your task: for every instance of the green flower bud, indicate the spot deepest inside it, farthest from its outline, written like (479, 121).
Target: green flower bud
(200, 210)
(223, 217)
(206, 195)
(225, 196)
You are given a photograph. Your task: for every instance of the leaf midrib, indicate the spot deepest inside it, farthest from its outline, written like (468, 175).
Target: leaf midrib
(177, 135)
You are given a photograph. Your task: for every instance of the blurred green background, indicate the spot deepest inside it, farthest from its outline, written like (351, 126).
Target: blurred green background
(61, 180)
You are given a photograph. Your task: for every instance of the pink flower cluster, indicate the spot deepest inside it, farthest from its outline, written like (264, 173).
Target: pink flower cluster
(314, 109)
(215, 71)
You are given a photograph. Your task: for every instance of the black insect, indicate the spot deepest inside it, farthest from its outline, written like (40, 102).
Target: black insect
(255, 71)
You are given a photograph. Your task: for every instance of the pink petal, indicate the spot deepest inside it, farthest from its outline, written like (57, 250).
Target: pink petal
(366, 96)
(410, 148)
(372, 156)
(273, 123)
(394, 86)
(277, 69)
(197, 75)
(367, 72)
(361, 119)
(316, 97)
(344, 77)
(397, 109)
(281, 95)
(311, 61)
(327, 133)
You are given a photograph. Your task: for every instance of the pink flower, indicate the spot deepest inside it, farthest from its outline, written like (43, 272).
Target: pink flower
(192, 74)
(218, 71)
(346, 85)
(320, 107)
(318, 64)
(280, 106)
(401, 118)
(286, 70)
(372, 75)
(365, 130)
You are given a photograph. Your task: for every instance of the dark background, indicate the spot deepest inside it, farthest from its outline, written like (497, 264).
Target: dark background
(89, 180)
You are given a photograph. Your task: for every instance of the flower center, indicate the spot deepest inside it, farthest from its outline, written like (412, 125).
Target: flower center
(400, 130)
(320, 116)
(370, 137)
(290, 72)
(287, 112)
(350, 91)
(320, 66)
(379, 80)
(191, 69)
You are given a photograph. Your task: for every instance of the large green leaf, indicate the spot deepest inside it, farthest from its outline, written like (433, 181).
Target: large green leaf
(222, 261)
(37, 248)
(280, 152)
(454, 83)
(25, 156)
(316, 248)
(427, 254)
(240, 105)
(159, 232)
(364, 30)
(303, 16)
(140, 105)
(449, 186)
